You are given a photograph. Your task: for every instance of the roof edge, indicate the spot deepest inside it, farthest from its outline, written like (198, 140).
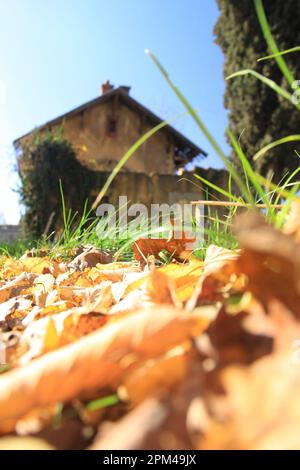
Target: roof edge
(128, 100)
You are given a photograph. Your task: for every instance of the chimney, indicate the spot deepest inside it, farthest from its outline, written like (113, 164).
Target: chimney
(125, 89)
(106, 86)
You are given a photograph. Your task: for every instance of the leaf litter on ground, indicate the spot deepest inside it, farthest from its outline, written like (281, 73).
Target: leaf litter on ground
(192, 354)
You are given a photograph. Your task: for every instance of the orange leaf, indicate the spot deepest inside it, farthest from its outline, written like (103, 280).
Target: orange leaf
(96, 360)
(145, 247)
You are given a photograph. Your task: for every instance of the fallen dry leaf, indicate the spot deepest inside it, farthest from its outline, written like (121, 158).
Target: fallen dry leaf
(270, 260)
(292, 222)
(179, 245)
(131, 432)
(89, 258)
(96, 360)
(24, 443)
(16, 286)
(191, 354)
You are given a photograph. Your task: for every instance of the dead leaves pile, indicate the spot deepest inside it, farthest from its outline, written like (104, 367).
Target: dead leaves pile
(97, 354)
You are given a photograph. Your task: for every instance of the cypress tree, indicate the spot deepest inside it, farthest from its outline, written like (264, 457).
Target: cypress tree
(257, 115)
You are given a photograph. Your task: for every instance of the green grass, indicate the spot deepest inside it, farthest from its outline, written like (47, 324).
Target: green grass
(261, 15)
(277, 54)
(103, 402)
(16, 248)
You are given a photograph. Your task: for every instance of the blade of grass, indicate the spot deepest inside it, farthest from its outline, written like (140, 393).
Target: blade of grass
(64, 213)
(203, 128)
(276, 143)
(283, 213)
(271, 41)
(279, 190)
(230, 185)
(247, 168)
(267, 81)
(104, 402)
(285, 184)
(217, 188)
(4, 368)
(286, 51)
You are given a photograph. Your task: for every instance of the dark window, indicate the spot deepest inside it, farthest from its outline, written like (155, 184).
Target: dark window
(111, 127)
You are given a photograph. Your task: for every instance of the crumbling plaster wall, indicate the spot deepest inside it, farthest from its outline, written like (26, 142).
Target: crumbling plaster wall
(99, 151)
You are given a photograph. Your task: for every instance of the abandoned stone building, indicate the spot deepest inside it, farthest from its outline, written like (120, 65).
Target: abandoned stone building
(102, 130)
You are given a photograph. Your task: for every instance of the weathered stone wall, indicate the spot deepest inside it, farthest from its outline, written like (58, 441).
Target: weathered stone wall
(99, 151)
(154, 188)
(9, 233)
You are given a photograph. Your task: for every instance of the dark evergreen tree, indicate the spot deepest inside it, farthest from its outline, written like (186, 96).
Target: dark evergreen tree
(256, 113)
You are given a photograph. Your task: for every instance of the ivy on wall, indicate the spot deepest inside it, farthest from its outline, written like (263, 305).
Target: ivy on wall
(46, 158)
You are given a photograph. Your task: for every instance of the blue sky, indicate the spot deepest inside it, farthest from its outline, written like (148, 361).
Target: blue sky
(54, 55)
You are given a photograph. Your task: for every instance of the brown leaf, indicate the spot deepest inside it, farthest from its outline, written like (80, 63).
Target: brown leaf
(162, 289)
(112, 271)
(51, 338)
(56, 330)
(217, 274)
(292, 222)
(157, 377)
(88, 258)
(36, 265)
(131, 432)
(217, 257)
(24, 443)
(42, 286)
(16, 307)
(76, 326)
(233, 343)
(270, 260)
(16, 286)
(265, 396)
(185, 277)
(145, 247)
(94, 361)
(175, 429)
